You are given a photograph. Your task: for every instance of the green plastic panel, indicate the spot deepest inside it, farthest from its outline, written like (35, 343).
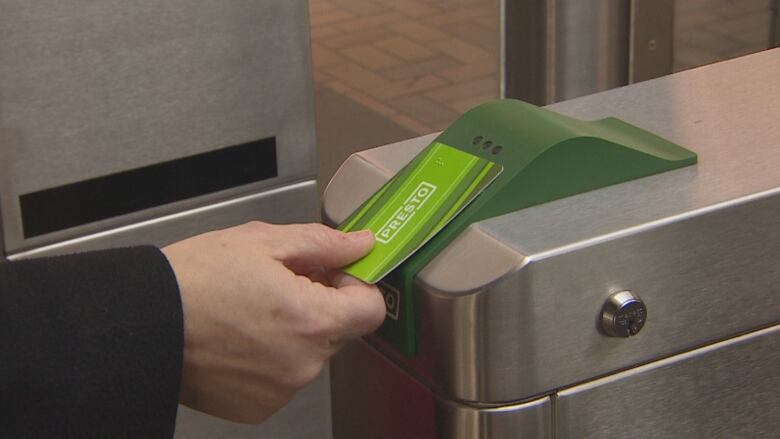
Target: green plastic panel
(546, 156)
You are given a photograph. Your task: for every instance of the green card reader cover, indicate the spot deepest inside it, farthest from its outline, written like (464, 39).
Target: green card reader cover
(546, 156)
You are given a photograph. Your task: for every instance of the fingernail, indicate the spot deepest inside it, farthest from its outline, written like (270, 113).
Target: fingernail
(360, 235)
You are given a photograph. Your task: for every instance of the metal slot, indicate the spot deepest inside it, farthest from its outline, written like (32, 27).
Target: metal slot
(87, 201)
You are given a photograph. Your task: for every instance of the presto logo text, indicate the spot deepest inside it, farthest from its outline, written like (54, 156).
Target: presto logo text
(406, 212)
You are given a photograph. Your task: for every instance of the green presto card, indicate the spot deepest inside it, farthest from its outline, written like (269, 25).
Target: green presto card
(416, 204)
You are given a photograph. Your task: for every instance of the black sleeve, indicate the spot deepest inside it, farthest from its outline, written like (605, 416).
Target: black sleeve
(90, 346)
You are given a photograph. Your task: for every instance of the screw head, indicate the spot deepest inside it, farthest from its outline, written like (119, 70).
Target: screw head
(652, 45)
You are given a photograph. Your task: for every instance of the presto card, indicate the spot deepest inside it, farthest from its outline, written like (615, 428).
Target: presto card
(416, 204)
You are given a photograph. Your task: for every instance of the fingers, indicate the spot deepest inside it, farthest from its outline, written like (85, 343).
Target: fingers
(339, 279)
(303, 245)
(316, 275)
(356, 308)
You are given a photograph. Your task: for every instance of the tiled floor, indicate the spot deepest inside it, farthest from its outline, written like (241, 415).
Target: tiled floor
(419, 63)
(387, 70)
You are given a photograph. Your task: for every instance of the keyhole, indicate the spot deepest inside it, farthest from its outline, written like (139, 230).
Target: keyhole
(633, 327)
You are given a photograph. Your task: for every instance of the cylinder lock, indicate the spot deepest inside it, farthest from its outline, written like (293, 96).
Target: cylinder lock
(623, 315)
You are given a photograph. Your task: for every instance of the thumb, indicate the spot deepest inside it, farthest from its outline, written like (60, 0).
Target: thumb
(319, 245)
(361, 306)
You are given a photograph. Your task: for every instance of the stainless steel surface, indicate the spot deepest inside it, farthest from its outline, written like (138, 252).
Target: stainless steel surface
(522, 332)
(679, 238)
(651, 39)
(725, 390)
(561, 49)
(89, 89)
(774, 24)
(590, 47)
(623, 315)
(354, 181)
(555, 50)
(290, 203)
(525, 58)
(456, 270)
(372, 398)
(704, 234)
(725, 112)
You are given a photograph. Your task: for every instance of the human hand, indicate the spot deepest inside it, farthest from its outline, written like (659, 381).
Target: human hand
(261, 317)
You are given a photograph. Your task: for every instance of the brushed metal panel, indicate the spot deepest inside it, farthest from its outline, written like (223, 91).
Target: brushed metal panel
(92, 88)
(530, 420)
(526, 64)
(536, 330)
(725, 112)
(726, 390)
(561, 49)
(354, 182)
(372, 398)
(651, 39)
(591, 47)
(473, 260)
(363, 173)
(696, 244)
(292, 203)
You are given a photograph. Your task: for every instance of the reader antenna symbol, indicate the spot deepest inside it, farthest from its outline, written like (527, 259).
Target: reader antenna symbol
(439, 161)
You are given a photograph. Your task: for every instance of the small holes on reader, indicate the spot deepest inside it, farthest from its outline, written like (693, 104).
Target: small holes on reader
(497, 149)
(487, 144)
(477, 140)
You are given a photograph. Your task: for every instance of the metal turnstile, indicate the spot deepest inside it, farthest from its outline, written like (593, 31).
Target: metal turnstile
(554, 50)
(145, 122)
(520, 320)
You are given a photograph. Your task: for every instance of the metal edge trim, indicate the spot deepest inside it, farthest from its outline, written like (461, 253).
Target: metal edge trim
(165, 218)
(774, 23)
(667, 361)
(502, 47)
(393, 357)
(633, 230)
(422, 278)
(632, 20)
(550, 51)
